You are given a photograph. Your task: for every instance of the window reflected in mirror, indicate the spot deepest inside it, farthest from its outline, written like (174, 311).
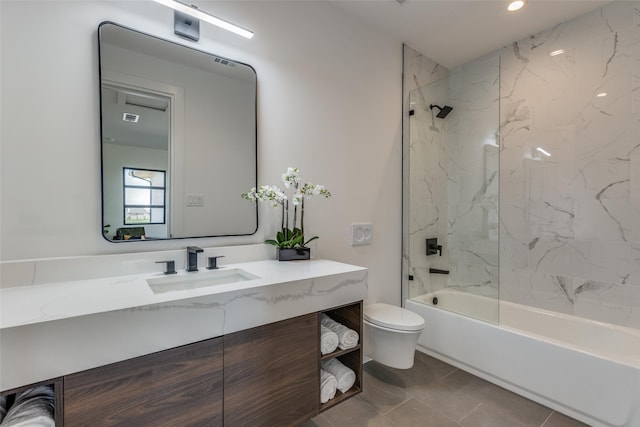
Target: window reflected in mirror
(144, 196)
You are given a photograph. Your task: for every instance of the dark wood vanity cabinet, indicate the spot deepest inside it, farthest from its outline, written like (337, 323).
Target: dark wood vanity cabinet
(264, 376)
(271, 374)
(177, 387)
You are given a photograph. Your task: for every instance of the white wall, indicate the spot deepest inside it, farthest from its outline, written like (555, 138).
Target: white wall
(329, 102)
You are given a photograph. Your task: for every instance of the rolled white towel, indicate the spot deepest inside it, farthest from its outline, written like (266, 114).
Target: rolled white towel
(3, 407)
(344, 376)
(348, 337)
(328, 386)
(328, 340)
(32, 408)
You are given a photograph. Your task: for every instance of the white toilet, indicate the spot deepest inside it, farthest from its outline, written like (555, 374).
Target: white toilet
(391, 334)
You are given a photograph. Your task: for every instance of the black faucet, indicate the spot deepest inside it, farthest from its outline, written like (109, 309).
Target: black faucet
(192, 257)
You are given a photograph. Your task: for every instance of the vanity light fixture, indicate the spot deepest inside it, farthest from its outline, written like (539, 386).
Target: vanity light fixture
(543, 151)
(516, 5)
(557, 52)
(186, 26)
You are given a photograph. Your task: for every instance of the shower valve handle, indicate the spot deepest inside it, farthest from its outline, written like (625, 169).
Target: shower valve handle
(433, 247)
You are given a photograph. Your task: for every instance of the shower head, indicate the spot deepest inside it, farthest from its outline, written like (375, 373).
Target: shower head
(444, 111)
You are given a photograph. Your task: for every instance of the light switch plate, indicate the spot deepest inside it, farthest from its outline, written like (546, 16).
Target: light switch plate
(361, 234)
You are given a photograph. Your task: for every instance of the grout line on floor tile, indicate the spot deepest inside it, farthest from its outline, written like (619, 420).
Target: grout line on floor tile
(327, 420)
(545, 421)
(443, 414)
(470, 412)
(399, 404)
(449, 374)
(389, 420)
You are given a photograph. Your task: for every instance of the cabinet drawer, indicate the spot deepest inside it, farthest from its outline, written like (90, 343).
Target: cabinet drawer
(271, 374)
(181, 386)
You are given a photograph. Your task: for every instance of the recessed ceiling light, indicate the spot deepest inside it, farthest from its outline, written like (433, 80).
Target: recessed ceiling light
(516, 5)
(557, 52)
(601, 94)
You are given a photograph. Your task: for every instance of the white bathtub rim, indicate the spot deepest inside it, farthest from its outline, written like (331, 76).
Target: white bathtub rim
(599, 418)
(628, 360)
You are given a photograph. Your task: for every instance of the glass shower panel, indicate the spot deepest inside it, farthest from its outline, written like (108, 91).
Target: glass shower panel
(453, 190)
(427, 169)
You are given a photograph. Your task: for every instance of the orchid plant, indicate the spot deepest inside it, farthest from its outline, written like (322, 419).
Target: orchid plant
(288, 237)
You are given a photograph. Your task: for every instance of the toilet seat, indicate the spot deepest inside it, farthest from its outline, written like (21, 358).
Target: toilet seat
(393, 317)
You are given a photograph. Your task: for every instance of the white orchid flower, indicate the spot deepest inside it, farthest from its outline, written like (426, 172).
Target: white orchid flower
(290, 178)
(293, 236)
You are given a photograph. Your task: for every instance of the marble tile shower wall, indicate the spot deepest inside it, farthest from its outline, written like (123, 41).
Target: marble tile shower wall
(569, 228)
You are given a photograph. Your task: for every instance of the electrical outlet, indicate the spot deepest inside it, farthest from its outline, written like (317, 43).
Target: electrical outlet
(361, 234)
(195, 199)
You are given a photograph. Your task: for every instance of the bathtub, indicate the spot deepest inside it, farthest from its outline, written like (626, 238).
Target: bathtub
(585, 369)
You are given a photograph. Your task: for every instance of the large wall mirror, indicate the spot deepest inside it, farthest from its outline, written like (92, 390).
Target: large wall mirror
(178, 139)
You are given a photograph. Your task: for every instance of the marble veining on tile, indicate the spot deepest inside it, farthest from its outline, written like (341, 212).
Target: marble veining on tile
(579, 217)
(569, 238)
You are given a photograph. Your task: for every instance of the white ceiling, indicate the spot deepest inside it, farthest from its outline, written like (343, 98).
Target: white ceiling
(453, 32)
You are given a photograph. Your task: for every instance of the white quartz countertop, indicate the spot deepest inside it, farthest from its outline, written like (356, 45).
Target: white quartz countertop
(49, 330)
(25, 305)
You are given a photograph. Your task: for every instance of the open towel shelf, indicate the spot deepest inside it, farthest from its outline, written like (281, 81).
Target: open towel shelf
(339, 353)
(349, 315)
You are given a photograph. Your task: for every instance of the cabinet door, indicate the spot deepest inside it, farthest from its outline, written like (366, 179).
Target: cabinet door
(177, 387)
(271, 374)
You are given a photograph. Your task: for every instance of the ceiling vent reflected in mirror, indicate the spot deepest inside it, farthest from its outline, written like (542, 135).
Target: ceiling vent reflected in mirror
(121, 105)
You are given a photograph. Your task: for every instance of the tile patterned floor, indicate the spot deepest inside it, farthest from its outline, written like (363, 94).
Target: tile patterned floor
(435, 394)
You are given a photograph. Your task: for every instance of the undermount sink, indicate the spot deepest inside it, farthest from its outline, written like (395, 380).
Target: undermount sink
(201, 279)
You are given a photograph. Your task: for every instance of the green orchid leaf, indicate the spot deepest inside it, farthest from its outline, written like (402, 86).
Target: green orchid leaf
(296, 241)
(310, 240)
